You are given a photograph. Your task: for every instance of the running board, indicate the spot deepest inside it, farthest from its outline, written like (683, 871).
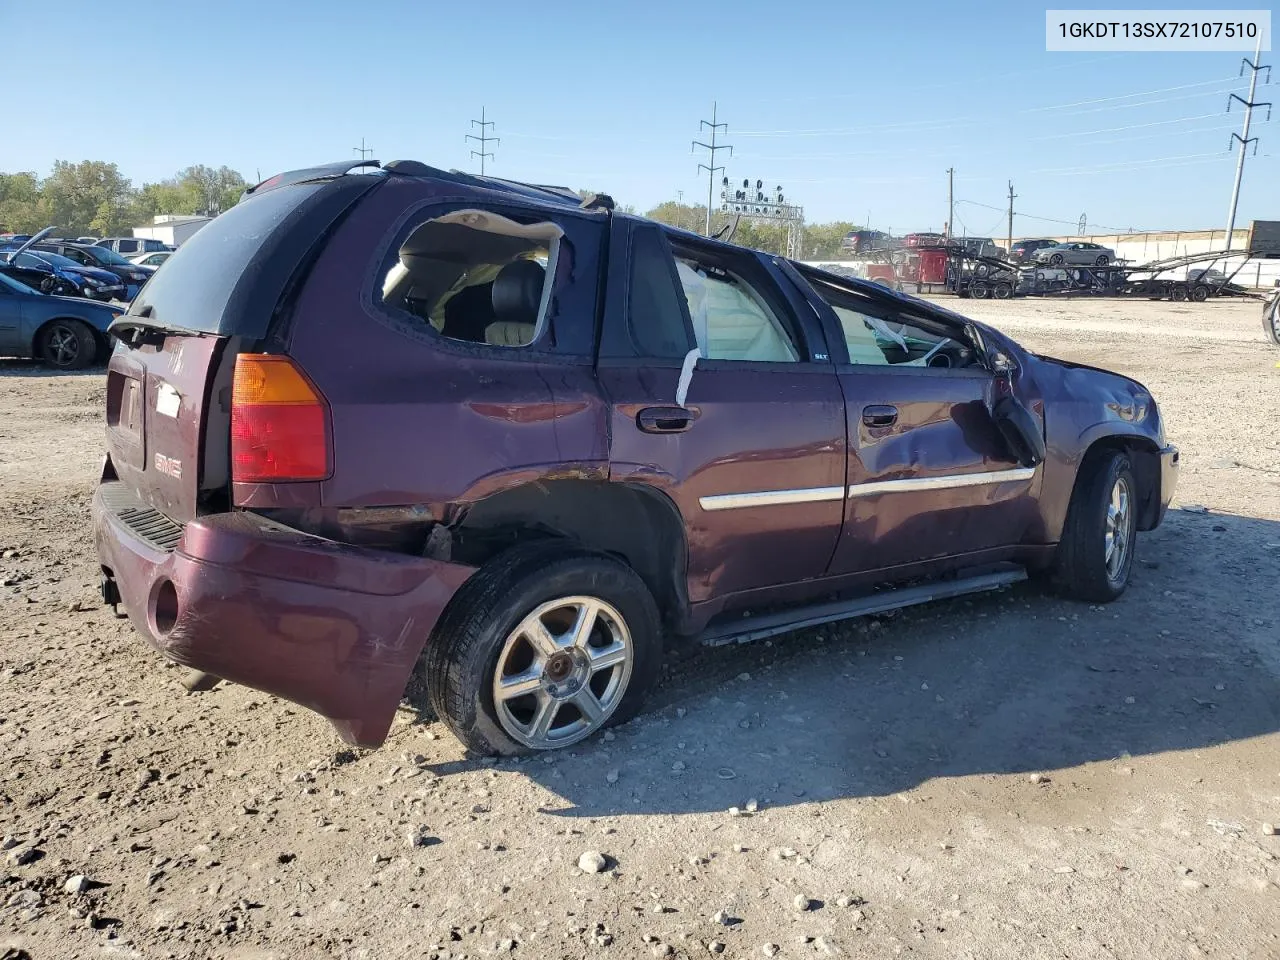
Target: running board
(770, 625)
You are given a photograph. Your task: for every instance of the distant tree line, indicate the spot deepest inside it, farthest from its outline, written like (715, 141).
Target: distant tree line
(92, 197)
(821, 240)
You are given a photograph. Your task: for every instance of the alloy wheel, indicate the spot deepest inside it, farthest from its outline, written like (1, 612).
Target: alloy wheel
(64, 346)
(562, 672)
(1119, 530)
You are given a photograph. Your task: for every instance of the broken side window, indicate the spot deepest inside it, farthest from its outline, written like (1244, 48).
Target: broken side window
(478, 277)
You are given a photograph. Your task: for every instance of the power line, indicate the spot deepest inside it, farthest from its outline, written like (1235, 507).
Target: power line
(934, 123)
(1131, 126)
(711, 149)
(1032, 216)
(1128, 96)
(1256, 67)
(1074, 65)
(1145, 103)
(483, 139)
(1122, 164)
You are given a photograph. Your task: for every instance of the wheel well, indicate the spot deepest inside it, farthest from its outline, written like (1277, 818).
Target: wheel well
(1145, 457)
(632, 522)
(35, 339)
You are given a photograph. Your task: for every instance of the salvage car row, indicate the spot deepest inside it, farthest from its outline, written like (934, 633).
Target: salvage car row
(56, 296)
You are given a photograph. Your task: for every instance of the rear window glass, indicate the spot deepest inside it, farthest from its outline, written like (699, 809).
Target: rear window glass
(197, 282)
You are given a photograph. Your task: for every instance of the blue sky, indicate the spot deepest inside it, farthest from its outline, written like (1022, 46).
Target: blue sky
(854, 108)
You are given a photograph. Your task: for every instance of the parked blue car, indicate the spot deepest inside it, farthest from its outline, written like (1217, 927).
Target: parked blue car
(67, 333)
(53, 273)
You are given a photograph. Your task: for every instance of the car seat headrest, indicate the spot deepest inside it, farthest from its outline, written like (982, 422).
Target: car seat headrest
(517, 292)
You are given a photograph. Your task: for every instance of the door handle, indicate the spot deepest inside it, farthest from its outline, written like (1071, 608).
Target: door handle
(880, 415)
(664, 419)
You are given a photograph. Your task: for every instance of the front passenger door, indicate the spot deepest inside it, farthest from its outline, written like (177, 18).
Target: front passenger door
(930, 476)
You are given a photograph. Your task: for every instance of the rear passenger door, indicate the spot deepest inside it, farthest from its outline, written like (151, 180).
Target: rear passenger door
(755, 458)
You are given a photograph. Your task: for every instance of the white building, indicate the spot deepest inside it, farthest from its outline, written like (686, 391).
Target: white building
(171, 229)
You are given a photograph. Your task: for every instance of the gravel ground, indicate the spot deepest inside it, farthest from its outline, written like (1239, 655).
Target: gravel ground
(1003, 776)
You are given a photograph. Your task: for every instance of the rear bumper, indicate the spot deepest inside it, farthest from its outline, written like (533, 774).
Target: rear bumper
(334, 628)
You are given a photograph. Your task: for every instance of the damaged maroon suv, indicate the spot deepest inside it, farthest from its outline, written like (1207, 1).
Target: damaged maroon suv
(378, 420)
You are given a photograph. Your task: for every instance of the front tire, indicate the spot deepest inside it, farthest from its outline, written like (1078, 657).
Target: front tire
(67, 345)
(1095, 555)
(542, 648)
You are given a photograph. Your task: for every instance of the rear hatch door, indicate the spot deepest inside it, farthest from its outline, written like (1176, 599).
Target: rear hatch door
(168, 382)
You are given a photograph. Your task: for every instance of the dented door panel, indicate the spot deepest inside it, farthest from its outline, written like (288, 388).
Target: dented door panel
(761, 431)
(977, 498)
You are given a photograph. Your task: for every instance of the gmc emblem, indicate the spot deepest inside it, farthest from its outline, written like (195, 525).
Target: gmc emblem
(169, 466)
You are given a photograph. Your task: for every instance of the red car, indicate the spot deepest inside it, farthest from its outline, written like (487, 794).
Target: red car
(369, 421)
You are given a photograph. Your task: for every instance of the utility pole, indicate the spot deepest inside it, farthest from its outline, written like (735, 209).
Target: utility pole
(1244, 137)
(711, 149)
(365, 152)
(484, 139)
(951, 201)
(1009, 245)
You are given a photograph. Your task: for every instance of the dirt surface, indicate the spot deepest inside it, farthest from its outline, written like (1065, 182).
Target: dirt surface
(1004, 776)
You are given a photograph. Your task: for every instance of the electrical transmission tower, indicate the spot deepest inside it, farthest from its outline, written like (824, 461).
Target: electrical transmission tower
(483, 139)
(365, 152)
(1080, 227)
(711, 149)
(1244, 137)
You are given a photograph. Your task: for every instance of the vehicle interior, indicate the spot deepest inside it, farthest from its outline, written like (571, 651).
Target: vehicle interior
(732, 319)
(878, 334)
(476, 276)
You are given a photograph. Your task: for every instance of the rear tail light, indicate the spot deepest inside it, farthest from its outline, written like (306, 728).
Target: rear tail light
(279, 422)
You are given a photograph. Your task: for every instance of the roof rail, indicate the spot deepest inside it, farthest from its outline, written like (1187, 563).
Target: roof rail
(322, 172)
(415, 168)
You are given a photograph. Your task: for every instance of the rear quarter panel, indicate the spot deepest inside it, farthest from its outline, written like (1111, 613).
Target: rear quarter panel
(418, 419)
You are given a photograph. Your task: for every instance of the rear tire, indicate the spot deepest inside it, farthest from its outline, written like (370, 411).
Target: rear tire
(1199, 293)
(1102, 260)
(1178, 294)
(67, 345)
(514, 619)
(1002, 290)
(1095, 555)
